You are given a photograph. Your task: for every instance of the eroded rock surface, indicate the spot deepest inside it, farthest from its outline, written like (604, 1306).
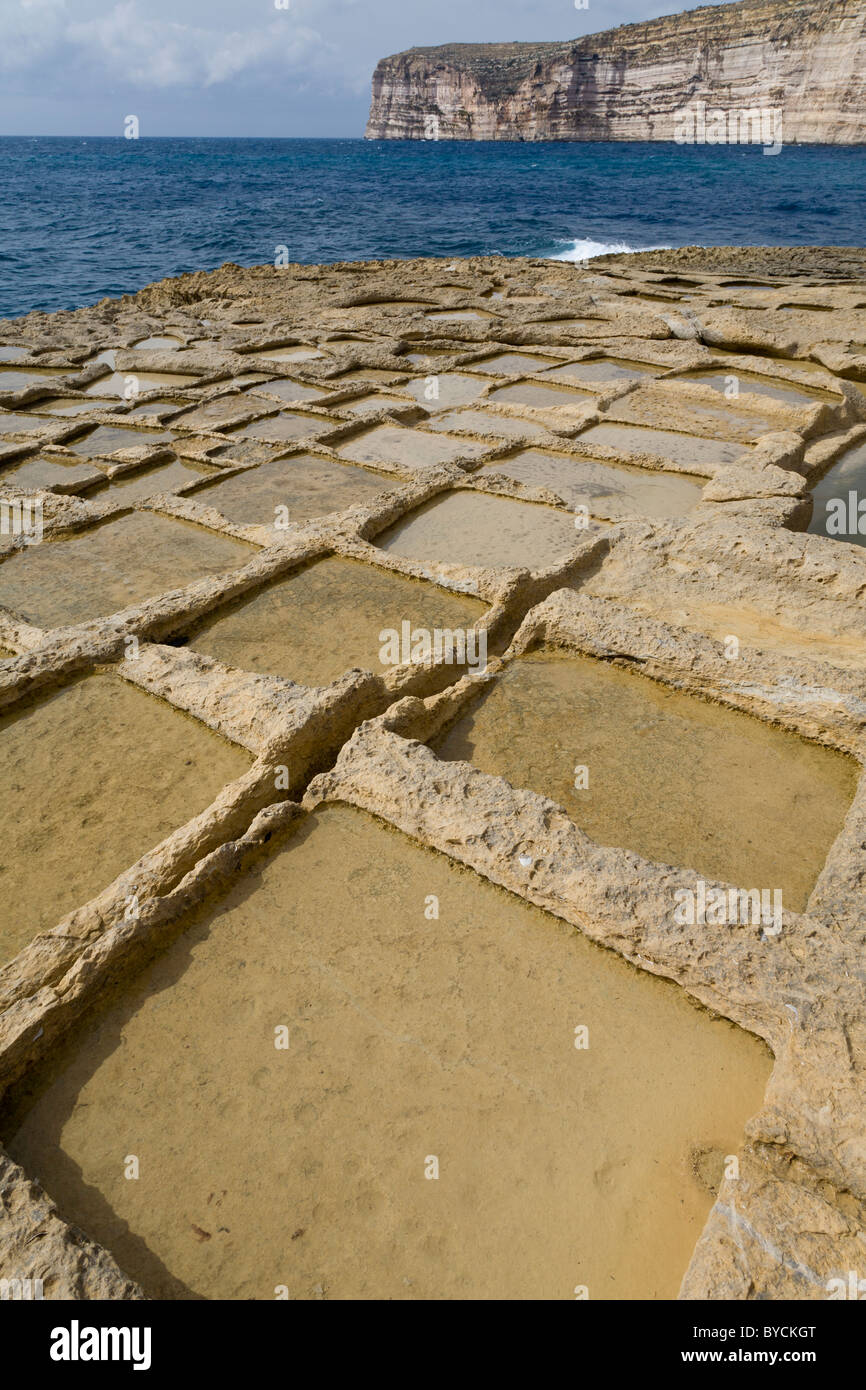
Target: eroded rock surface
(322, 375)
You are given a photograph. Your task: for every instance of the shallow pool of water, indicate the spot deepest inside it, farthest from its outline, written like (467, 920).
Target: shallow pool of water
(598, 369)
(285, 354)
(159, 342)
(108, 567)
(675, 778)
(372, 403)
(690, 450)
(473, 528)
(532, 393)
(130, 384)
(60, 405)
(328, 618)
(109, 439)
(42, 472)
(408, 448)
(445, 389)
(307, 486)
(757, 385)
(838, 496)
(167, 477)
(288, 424)
(430, 1115)
(93, 775)
(607, 490)
(285, 390)
(12, 379)
(485, 422)
(11, 423)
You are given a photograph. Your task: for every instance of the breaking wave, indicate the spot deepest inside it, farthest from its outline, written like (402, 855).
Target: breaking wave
(585, 250)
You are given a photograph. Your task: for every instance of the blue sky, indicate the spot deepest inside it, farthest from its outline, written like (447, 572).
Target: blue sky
(242, 67)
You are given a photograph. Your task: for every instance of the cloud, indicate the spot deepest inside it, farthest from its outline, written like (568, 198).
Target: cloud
(159, 52)
(150, 50)
(29, 31)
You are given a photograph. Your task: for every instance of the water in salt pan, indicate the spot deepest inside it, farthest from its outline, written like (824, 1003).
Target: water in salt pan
(305, 1167)
(372, 403)
(93, 775)
(286, 390)
(111, 566)
(837, 499)
(608, 490)
(777, 390)
(473, 528)
(692, 451)
(123, 384)
(158, 407)
(168, 477)
(303, 484)
(485, 422)
(362, 375)
(532, 393)
(288, 424)
(665, 403)
(445, 389)
(220, 413)
(675, 778)
(109, 439)
(12, 379)
(52, 473)
(60, 405)
(326, 619)
(595, 370)
(408, 448)
(12, 422)
(285, 354)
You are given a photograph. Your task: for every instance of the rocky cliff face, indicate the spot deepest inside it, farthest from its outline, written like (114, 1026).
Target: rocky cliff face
(803, 58)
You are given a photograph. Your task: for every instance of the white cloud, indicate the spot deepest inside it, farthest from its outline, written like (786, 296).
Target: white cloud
(159, 52)
(147, 49)
(29, 31)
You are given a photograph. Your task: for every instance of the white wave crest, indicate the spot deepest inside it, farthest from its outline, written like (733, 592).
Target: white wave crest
(585, 250)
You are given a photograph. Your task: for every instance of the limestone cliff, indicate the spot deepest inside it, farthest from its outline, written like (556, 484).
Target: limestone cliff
(806, 58)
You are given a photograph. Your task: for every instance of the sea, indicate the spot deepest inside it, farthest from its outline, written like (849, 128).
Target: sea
(83, 217)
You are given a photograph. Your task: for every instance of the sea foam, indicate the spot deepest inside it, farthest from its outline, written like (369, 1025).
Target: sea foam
(585, 250)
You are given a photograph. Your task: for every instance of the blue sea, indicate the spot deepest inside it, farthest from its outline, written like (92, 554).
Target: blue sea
(81, 218)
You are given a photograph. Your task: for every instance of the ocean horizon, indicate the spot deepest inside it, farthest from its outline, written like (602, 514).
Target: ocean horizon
(87, 217)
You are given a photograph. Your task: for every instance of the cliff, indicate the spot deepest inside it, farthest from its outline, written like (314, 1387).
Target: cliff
(806, 58)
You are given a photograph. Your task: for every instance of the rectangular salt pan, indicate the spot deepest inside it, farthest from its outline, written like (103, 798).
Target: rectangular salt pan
(412, 1049)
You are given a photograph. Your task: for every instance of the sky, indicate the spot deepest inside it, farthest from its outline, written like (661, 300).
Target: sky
(243, 67)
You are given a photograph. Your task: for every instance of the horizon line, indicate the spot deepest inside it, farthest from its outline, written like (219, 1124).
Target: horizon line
(8, 135)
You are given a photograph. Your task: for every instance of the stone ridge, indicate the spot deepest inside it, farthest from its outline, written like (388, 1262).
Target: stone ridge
(806, 57)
